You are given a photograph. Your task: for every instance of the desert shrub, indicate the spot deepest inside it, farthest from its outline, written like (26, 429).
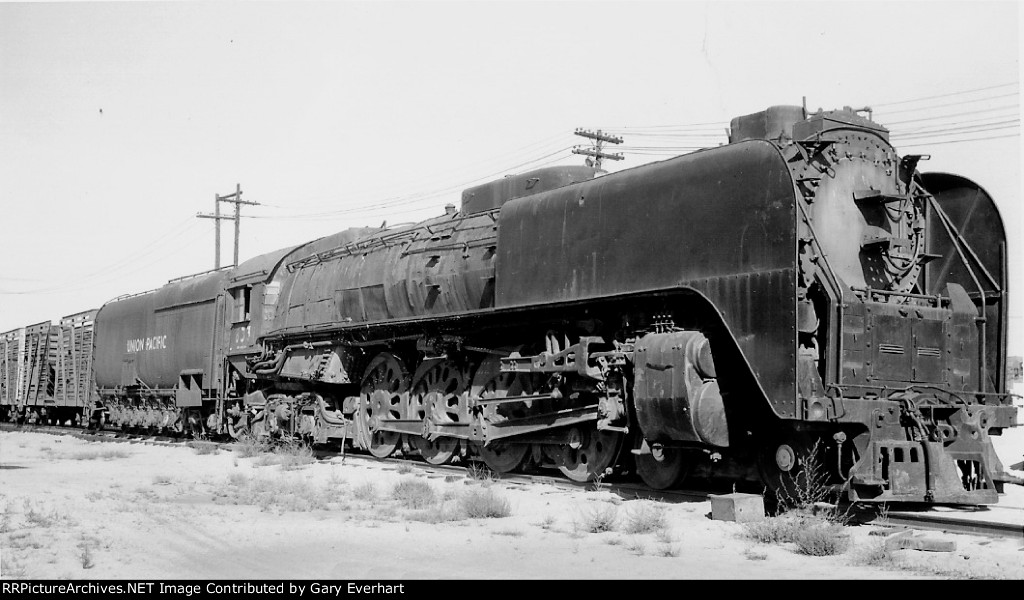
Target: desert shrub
(598, 518)
(294, 454)
(644, 518)
(22, 540)
(439, 513)
(41, 517)
(412, 493)
(366, 491)
(876, 554)
(290, 455)
(806, 488)
(485, 504)
(11, 568)
(85, 555)
(774, 530)
(293, 495)
(404, 468)
(101, 454)
(822, 539)
(478, 471)
(250, 445)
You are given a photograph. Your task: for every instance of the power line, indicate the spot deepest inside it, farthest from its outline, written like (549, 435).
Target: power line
(926, 127)
(971, 112)
(991, 87)
(413, 198)
(439, 177)
(930, 107)
(635, 128)
(106, 276)
(993, 137)
(959, 130)
(117, 267)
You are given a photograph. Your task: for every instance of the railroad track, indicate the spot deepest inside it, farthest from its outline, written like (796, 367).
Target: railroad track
(998, 521)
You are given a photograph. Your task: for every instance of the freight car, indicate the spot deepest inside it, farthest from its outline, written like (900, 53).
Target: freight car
(801, 299)
(46, 370)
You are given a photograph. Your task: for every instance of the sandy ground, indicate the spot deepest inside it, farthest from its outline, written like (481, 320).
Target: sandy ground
(74, 509)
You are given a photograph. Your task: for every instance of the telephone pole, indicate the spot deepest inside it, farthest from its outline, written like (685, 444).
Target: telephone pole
(236, 199)
(598, 137)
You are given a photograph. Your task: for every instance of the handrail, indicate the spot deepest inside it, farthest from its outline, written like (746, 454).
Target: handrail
(957, 240)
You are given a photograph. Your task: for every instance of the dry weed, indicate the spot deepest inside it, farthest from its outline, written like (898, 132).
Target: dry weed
(644, 518)
(366, 491)
(413, 493)
(286, 495)
(439, 513)
(85, 555)
(485, 504)
(598, 518)
(822, 539)
(22, 540)
(875, 554)
(41, 518)
(12, 568)
(100, 454)
(289, 455)
(249, 446)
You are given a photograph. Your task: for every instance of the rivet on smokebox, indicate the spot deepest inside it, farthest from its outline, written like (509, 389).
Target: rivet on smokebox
(741, 508)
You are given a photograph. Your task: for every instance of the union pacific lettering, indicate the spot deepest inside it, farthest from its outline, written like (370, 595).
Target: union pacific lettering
(157, 342)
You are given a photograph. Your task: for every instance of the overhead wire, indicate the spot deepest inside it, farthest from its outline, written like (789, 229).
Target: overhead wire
(117, 267)
(439, 176)
(993, 137)
(687, 137)
(409, 199)
(958, 114)
(958, 130)
(928, 127)
(929, 107)
(961, 92)
(108, 275)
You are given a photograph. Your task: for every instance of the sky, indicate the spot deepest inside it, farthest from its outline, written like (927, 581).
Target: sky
(120, 122)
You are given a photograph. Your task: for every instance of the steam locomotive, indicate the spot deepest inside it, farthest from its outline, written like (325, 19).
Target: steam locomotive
(802, 297)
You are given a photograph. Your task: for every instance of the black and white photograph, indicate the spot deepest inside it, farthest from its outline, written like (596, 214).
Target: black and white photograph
(342, 297)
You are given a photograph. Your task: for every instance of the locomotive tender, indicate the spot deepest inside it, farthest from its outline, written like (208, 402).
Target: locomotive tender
(800, 298)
